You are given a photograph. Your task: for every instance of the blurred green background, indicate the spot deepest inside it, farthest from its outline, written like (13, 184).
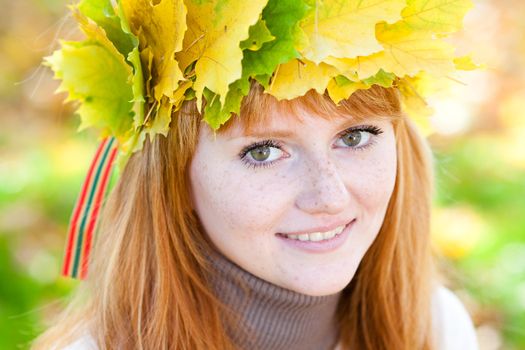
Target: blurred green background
(478, 140)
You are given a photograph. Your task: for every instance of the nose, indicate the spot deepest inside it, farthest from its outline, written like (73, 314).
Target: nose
(324, 190)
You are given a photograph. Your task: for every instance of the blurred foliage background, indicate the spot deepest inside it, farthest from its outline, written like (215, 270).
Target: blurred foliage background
(478, 140)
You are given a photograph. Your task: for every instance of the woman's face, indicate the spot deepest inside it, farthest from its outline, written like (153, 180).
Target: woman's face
(295, 178)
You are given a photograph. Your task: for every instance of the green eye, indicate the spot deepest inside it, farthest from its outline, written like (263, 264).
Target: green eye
(260, 153)
(353, 138)
(359, 137)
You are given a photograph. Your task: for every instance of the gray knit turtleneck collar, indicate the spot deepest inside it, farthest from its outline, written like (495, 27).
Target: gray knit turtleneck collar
(272, 317)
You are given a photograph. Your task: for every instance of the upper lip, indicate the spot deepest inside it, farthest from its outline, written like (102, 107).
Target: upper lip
(323, 228)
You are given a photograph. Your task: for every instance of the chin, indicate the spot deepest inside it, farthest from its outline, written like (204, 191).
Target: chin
(319, 288)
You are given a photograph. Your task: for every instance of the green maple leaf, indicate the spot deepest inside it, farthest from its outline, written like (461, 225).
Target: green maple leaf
(214, 113)
(102, 13)
(258, 35)
(215, 30)
(137, 80)
(275, 43)
(381, 78)
(282, 19)
(104, 72)
(98, 78)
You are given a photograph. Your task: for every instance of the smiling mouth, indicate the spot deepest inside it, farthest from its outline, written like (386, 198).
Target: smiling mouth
(316, 236)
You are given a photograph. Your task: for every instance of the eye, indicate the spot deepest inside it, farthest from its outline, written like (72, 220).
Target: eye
(359, 137)
(261, 154)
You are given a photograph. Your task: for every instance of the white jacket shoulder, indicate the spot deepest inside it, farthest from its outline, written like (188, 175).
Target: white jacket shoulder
(452, 323)
(85, 343)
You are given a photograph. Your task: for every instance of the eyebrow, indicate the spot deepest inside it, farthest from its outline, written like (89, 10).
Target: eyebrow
(268, 133)
(286, 133)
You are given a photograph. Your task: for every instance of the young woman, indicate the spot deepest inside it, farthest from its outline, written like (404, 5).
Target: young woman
(300, 225)
(287, 205)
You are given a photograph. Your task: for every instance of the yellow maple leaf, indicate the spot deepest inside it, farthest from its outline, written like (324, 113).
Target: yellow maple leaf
(414, 105)
(406, 52)
(357, 68)
(179, 95)
(215, 29)
(340, 89)
(440, 16)
(160, 27)
(409, 52)
(296, 78)
(96, 33)
(347, 28)
(466, 63)
(162, 120)
(96, 74)
(146, 57)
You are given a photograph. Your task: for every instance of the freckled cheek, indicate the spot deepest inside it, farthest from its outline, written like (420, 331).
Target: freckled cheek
(239, 202)
(261, 201)
(372, 180)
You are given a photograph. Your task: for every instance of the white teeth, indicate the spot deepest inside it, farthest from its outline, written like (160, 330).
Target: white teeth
(328, 235)
(317, 236)
(304, 237)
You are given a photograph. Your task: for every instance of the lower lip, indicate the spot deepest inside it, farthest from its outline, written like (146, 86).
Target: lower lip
(323, 246)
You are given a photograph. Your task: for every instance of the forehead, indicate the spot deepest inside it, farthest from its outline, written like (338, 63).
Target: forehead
(261, 111)
(283, 122)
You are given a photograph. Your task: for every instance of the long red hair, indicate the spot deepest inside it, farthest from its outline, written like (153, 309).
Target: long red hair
(146, 287)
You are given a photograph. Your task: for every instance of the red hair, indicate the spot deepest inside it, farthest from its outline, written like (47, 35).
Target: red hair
(147, 287)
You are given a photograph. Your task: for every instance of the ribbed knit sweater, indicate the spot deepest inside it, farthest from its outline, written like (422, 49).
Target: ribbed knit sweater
(272, 317)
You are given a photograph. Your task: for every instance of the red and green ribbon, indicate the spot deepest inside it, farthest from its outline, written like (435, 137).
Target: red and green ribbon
(85, 215)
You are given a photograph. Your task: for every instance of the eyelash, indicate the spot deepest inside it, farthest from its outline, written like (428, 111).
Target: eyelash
(374, 130)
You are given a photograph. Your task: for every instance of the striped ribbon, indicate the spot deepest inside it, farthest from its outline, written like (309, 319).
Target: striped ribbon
(84, 217)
